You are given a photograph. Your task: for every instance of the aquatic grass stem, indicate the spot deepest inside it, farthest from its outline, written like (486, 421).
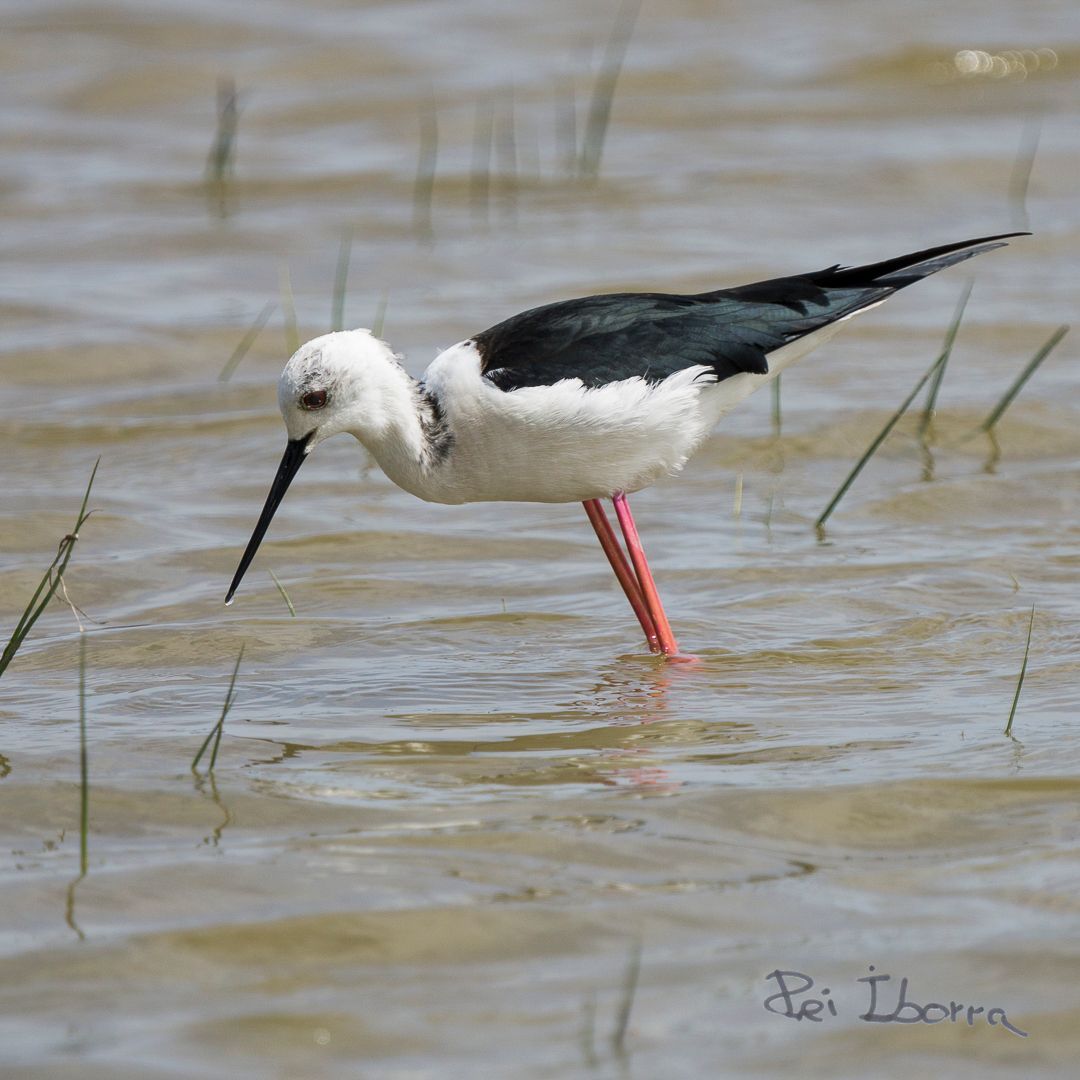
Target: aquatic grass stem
(777, 418)
(626, 1002)
(216, 731)
(1032, 366)
(506, 155)
(1023, 672)
(288, 310)
(874, 446)
(480, 172)
(946, 351)
(284, 594)
(1020, 176)
(84, 765)
(84, 800)
(246, 342)
(603, 95)
(219, 161)
(566, 136)
(380, 316)
(426, 165)
(341, 281)
(51, 581)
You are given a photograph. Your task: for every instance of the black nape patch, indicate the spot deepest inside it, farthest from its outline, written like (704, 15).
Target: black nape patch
(438, 438)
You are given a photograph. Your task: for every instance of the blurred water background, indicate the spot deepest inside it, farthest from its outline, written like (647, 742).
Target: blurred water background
(454, 798)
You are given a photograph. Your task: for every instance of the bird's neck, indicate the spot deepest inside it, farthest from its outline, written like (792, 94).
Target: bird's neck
(405, 431)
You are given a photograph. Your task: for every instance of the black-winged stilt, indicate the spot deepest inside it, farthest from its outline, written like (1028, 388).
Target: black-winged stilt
(576, 401)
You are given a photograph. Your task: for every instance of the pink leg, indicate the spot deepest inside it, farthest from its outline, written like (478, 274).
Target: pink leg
(668, 645)
(606, 535)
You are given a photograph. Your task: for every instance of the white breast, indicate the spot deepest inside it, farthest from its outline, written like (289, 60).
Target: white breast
(560, 443)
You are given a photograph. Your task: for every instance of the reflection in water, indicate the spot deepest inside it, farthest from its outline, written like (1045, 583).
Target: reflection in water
(207, 786)
(69, 905)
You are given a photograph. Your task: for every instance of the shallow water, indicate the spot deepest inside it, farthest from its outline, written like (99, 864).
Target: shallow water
(453, 795)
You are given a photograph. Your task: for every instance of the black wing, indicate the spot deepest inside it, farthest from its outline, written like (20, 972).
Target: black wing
(601, 339)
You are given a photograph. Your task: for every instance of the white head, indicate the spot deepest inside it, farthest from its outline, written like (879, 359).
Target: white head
(348, 381)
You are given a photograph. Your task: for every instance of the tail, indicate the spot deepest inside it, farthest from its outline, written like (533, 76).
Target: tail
(790, 316)
(907, 269)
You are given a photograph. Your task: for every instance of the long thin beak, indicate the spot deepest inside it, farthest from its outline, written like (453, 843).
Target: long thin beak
(295, 452)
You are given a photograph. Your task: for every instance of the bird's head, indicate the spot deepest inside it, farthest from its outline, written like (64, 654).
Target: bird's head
(335, 383)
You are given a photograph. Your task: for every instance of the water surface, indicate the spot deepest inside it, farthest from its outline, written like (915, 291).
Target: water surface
(453, 795)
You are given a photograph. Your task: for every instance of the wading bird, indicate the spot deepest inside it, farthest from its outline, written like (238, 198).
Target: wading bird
(576, 401)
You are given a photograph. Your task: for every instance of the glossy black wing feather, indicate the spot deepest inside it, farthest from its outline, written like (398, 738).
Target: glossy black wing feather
(605, 338)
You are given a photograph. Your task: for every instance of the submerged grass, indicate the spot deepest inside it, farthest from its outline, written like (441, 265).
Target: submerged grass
(246, 342)
(215, 732)
(626, 1002)
(219, 161)
(52, 580)
(1023, 672)
(946, 351)
(881, 437)
(1032, 366)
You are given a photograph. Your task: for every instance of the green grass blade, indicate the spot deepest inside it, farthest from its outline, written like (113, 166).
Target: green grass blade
(943, 357)
(1023, 672)
(873, 447)
(49, 583)
(246, 342)
(777, 418)
(1048, 347)
(341, 280)
(216, 731)
(284, 594)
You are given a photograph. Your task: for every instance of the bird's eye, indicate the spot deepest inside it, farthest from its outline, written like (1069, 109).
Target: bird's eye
(313, 399)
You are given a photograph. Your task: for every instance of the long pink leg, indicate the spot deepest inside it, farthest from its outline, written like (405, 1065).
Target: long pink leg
(668, 645)
(608, 541)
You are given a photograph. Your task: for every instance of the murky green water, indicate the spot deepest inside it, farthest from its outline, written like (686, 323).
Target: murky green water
(453, 794)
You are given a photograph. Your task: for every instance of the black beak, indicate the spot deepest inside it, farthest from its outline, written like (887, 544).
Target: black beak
(295, 452)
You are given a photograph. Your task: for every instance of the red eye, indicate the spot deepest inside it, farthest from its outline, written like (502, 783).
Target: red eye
(313, 399)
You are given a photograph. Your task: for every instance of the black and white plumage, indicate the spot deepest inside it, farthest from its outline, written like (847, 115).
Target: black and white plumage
(600, 339)
(577, 400)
